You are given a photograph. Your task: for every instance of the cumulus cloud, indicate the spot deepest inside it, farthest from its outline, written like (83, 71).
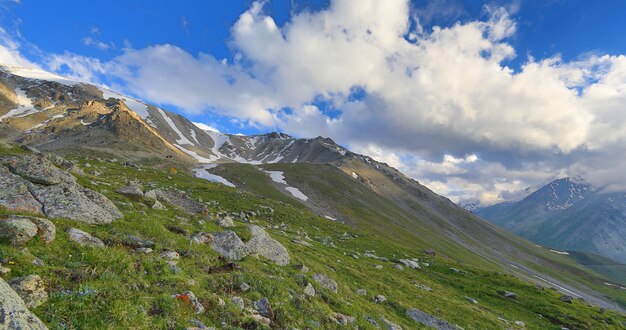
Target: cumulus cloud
(441, 105)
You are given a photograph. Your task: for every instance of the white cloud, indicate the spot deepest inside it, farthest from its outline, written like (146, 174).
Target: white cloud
(89, 41)
(206, 127)
(441, 105)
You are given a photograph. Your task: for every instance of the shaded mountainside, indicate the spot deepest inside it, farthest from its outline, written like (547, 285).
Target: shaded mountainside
(54, 114)
(567, 215)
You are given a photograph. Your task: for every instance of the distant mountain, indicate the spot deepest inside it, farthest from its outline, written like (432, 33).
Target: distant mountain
(567, 214)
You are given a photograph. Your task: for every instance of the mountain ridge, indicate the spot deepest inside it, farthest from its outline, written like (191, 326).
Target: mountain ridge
(567, 214)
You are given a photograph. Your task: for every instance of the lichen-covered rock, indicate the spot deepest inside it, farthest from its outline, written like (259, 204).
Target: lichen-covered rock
(31, 288)
(428, 320)
(229, 245)
(326, 282)
(263, 244)
(46, 230)
(14, 195)
(75, 202)
(38, 169)
(13, 311)
(190, 299)
(16, 230)
(83, 238)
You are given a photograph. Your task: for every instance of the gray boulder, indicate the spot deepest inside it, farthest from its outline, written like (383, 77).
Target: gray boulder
(13, 311)
(229, 245)
(75, 202)
(326, 282)
(38, 169)
(429, 320)
(83, 238)
(31, 288)
(14, 195)
(263, 244)
(132, 190)
(17, 230)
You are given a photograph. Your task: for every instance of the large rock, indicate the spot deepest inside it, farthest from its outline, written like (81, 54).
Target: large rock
(133, 190)
(83, 238)
(38, 169)
(229, 245)
(75, 202)
(17, 230)
(13, 311)
(326, 282)
(14, 195)
(263, 244)
(31, 288)
(180, 200)
(429, 320)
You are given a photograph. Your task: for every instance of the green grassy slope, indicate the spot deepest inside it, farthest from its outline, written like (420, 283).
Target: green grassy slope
(115, 288)
(465, 239)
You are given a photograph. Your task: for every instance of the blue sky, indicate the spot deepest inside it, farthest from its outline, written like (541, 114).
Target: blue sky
(101, 29)
(476, 99)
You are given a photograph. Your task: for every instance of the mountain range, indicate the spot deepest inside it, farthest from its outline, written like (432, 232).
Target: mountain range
(567, 214)
(314, 179)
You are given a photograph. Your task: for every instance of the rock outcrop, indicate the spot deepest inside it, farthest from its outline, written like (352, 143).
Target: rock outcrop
(13, 311)
(35, 185)
(31, 288)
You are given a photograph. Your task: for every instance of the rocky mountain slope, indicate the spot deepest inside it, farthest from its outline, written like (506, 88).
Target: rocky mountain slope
(284, 199)
(567, 215)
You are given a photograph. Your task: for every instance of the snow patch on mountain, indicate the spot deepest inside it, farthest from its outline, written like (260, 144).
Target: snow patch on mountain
(38, 74)
(277, 176)
(297, 193)
(203, 173)
(181, 137)
(24, 106)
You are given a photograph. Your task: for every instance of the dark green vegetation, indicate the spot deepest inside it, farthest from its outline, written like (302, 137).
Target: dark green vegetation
(115, 288)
